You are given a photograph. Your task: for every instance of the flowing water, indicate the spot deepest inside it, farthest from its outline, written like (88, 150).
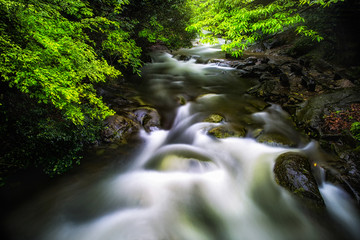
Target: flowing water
(182, 182)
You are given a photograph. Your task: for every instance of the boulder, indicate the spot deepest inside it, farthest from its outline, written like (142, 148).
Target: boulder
(147, 117)
(293, 172)
(118, 129)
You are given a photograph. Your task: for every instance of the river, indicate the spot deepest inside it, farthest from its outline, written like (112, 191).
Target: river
(182, 183)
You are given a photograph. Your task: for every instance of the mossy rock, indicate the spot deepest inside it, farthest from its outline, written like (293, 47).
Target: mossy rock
(147, 117)
(181, 99)
(275, 139)
(214, 118)
(293, 172)
(118, 129)
(225, 132)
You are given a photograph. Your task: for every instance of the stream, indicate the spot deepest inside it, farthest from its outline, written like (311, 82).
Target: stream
(182, 182)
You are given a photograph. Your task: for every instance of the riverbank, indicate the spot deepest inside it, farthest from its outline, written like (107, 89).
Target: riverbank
(321, 98)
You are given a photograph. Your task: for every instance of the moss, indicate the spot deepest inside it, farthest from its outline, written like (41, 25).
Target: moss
(225, 132)
(293, 172)
(214, 118)
(275, 139)
(299, 191)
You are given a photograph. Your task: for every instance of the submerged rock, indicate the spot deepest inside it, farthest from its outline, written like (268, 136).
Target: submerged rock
(275, 139)
(225, 132)
(293, 172)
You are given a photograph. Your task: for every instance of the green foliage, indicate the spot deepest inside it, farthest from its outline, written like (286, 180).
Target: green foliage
(46, 53)
(244, 22)
(161, 21)
(355, 130)
(34, 134)
(53, 54)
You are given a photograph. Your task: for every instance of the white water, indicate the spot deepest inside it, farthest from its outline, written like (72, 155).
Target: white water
(187, 185)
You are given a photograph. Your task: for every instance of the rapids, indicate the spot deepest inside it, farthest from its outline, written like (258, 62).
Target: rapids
(184, 184)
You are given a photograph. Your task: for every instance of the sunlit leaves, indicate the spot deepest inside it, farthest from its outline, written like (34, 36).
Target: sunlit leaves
(48, 55)
(309, 33)
(242, 23)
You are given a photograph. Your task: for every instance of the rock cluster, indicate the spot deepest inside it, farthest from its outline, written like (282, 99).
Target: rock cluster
(309, 89)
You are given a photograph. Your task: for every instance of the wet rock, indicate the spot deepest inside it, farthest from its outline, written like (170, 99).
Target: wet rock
(296, 68)
(262, 67)
(251, 60)
(310, 113)
(118, 129)
(222, 62)
(275, 69)
(181, 99)
(264, 60)
(257, 103)
(275, 139)
(214, 118)
(266, 89)
(183, 58)
(225, 132)
(308, 83)
(284, 80)
(148, 118)
(241, 65)
(311, 118)
(247, 74)
(201, 60)
(293, 172)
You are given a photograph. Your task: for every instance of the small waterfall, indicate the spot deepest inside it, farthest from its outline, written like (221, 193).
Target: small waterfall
(185, 184)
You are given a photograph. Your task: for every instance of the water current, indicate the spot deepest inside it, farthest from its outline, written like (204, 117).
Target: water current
(182, 183)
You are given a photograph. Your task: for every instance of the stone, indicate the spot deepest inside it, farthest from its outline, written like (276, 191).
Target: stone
(225, 132)
(293, 172)
(148, 118)
(214, 118)
(118, 129)
(284, 80)
(296, 68)
(308, 83)
(266, 77)
(275, 139)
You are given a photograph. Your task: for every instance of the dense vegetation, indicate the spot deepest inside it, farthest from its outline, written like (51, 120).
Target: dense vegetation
(245, 22)
(53, 53)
